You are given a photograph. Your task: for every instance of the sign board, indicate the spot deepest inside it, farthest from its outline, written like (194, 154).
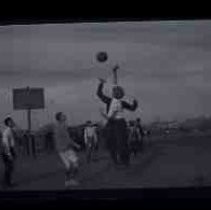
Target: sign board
(28, 98)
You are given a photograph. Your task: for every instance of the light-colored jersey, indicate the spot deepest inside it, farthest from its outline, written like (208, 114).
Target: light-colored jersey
(61, 136)
(115, 109)
(90, 132)
(8, 138)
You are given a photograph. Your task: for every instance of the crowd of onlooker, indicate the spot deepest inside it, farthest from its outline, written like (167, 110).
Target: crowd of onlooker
(31, 144)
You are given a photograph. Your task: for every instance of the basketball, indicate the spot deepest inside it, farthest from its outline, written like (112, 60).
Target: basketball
(102, 57)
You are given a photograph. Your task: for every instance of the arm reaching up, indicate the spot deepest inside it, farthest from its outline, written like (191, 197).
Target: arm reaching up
(100, 93)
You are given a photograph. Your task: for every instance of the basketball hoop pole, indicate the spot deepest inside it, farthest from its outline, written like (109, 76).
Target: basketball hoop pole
(29, 114)
(29, 120)
(30, 137)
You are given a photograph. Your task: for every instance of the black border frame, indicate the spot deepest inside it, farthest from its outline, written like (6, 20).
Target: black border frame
(146, 198)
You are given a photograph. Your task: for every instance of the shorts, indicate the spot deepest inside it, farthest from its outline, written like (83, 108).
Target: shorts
(91, 142)
(12, 152)
(69, 158)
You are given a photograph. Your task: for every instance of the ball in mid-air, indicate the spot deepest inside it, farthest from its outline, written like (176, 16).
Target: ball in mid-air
(102, 57)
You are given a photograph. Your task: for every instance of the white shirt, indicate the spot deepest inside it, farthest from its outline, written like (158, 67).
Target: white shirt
(90, 132)
(115, 107)
(8, 138)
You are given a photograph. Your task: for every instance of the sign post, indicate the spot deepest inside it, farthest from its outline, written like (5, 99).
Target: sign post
(28, 99)
(28, 111)
(29, 119)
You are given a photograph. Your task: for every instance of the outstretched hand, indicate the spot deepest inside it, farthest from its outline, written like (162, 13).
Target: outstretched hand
(135, 101)
(132, 98)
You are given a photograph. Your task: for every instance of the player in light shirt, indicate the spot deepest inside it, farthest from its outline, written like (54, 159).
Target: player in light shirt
(64, 145)
(91, 140)
(8, 151)
(116, 126)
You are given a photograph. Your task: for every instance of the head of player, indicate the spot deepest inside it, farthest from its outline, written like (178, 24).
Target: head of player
(61, 117)
(118, 92)
(9, 122)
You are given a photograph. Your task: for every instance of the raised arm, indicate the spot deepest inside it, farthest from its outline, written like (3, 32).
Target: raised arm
(131, 107)
(100, 93)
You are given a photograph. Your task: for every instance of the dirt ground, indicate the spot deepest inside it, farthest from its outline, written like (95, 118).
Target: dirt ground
(170, 161)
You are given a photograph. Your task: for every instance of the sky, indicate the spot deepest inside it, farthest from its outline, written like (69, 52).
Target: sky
(164, 64)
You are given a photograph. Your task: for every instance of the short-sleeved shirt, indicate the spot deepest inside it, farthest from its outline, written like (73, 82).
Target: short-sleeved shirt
(61, 136)
(90, 132)
(8, 138)
(116, 107)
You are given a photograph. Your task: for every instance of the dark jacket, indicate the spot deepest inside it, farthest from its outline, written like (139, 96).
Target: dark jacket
(107, 100)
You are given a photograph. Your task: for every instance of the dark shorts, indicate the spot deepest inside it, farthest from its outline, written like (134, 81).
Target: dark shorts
(9, 163)
(117, 134)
